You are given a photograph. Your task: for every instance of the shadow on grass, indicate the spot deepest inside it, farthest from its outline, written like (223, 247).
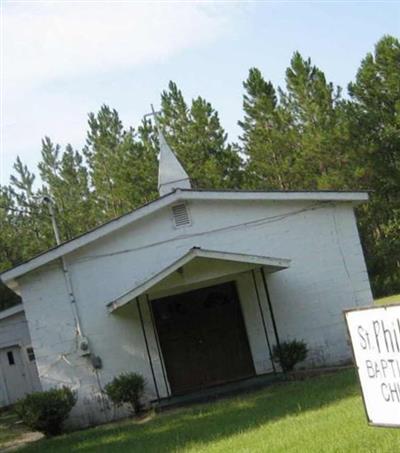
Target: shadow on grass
(210, 422)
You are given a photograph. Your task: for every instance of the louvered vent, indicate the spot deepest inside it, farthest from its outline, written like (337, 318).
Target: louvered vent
(180, 215)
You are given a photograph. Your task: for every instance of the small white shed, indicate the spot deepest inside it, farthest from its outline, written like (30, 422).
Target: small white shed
(18, 372)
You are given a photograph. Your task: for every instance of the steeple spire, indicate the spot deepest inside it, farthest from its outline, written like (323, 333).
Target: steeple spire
(171, 174)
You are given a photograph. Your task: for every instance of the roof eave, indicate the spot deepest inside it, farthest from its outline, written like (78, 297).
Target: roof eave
(196, 252)
(6, 313)
(332, 196)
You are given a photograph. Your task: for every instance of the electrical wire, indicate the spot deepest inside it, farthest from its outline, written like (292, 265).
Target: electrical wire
(20, 211)
(255, 223)
(9, 208)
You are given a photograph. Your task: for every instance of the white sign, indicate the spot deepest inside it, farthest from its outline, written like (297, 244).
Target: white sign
(375, 337)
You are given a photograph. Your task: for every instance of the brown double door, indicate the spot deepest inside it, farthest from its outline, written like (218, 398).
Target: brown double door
(203, 338)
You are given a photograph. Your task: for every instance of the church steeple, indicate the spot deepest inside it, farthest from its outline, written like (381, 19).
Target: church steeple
(171, 174)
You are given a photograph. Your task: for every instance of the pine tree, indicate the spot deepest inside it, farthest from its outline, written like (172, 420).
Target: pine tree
(32, 218)
(375, 123)
(269, 139)
(23, 182)
(316, 111)
(9, 253)
(66, 181)
(122, 169)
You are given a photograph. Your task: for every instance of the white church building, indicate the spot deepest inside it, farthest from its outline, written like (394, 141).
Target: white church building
(193, 290)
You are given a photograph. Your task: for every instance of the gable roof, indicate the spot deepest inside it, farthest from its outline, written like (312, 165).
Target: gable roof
(167, 200)
(273, 265)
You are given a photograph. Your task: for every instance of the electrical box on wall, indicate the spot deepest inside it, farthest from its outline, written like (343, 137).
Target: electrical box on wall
(83, 346)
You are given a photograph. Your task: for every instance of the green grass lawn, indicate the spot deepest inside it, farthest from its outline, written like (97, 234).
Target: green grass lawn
(388, 300)
(323, 414)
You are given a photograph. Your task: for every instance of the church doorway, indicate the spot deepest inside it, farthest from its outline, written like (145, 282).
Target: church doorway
(203, 338)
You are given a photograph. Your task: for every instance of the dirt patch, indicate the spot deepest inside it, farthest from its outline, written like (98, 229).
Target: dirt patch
(24, 439)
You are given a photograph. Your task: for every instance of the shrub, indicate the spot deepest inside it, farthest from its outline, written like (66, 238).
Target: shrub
(46, 411)
(127, 388)
(289, 353)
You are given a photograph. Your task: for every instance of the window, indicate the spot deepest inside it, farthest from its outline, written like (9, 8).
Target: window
(10, 357)
(30, 354)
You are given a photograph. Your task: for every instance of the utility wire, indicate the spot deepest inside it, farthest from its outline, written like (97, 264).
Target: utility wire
(20, 211)
(255, 223)
(9, 208)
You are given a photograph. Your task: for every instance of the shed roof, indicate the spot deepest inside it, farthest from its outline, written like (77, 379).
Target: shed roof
(170, 199)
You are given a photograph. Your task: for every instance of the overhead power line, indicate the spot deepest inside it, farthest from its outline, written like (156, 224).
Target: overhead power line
(21, 211)
(253, 223)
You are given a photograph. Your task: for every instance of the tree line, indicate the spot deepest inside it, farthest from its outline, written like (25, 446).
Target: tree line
(307, 135)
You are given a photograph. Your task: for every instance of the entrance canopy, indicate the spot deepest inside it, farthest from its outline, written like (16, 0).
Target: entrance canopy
(197, 265)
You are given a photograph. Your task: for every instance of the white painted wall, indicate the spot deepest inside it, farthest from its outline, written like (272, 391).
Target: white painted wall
(22, 377)
(327, 274)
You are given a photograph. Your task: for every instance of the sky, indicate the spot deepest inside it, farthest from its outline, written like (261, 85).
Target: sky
(61, 60)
